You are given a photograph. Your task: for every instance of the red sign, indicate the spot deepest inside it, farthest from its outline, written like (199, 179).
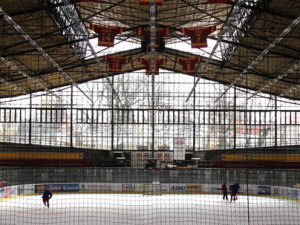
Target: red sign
(147, 2)
(188, 64)
(159, 32)
(115, 63)
(7, 192)
(139, 156)
(218, 1)
(106, 34)
(90, 0)
(148, 64)
(198, 35)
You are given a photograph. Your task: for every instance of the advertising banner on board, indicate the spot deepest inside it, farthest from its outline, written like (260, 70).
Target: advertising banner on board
(96, 187)
(264, 190)
(194, 188)
(29, 188)
(177, 188)
(13, 191)
(277, 190)
(55, 187)
(298, 194)
(291, 193)
(40, 188)
(164, 187)
(20, 190)
(7, 192)
(129, 187)
(70, 187)
(1, 192)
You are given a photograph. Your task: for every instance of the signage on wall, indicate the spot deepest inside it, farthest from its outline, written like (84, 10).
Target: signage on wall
(159, 156)
(179, 149)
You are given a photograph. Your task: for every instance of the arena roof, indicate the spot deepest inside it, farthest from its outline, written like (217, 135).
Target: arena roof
(47, 44)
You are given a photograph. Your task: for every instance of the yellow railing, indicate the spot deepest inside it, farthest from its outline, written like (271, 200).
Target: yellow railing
(40, 155)
(262, 157)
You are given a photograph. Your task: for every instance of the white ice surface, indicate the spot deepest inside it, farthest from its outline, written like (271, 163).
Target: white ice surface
(134, 209)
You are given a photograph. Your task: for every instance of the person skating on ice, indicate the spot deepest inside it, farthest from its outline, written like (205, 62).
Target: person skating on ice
(47, 195)
(234, 188)
(224, 191)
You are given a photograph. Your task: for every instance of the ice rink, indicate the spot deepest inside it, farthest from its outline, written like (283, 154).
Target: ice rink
(134, 209)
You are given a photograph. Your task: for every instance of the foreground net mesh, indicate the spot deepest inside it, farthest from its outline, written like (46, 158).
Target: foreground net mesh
(212, 139)
(137, 196)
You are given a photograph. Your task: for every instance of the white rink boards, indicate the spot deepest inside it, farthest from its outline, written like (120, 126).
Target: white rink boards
(137, 209)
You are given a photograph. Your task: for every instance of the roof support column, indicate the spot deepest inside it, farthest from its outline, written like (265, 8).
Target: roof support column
(152, 44)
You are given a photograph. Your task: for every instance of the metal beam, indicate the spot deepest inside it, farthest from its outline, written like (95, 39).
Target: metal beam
(18, 70)
(270, 83)
(80, 26)
(23, 52)
(12, 85)
(246, 46)
(291, 69)
(262, 9)
(285, 32)
(235, 11)
(41, 50)
(38, 8)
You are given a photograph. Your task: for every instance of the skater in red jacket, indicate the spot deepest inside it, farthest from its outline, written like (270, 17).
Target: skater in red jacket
(224, 191)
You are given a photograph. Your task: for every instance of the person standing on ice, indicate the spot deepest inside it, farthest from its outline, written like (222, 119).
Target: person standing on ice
(234, 188)
(46, 196)
(224, 191)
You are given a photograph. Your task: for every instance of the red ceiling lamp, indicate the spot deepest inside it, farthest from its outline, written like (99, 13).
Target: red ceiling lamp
(148, 64)
(159, 41)
(198, 35)
(145, 31)
(147, 2)
(116, 62)
(189, 64)
(218, 1)
(90, 0)
(106, 34)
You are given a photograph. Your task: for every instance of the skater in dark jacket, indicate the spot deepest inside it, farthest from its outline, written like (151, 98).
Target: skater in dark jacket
(224, 191)
(234, 188)
(46, 196)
